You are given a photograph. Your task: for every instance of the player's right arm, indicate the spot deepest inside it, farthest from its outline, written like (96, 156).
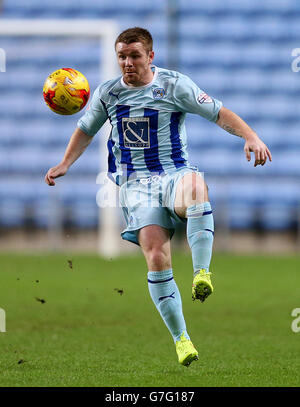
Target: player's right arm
(77, 144)
(87, 126)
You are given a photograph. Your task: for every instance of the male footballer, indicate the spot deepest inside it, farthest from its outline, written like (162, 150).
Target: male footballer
(148, 160)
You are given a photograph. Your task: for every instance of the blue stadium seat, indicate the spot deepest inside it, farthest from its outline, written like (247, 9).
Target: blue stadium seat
(11, 213)
(239, 28)
(84, 214)
(237, 51)
(91, 9)
(279, 135)
(14, 104)
(218, 160)
(37, 161)
(257, 55)
(268, 107)
(280, 205)
(245, 80)
(241, 216)
(42, 133)
(41, 53)
(231, 7)
(278, 217)
(8, 132)
(80, 199)
(202, 133)
(74, 201)
(226, 161)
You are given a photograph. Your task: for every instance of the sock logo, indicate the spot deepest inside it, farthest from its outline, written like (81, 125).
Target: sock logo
(167, 296)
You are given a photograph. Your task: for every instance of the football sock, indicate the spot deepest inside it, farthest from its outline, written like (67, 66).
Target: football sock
(200, 234)
(166, 297)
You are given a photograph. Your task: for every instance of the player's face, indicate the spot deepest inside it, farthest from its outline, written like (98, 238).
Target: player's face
(134, 61)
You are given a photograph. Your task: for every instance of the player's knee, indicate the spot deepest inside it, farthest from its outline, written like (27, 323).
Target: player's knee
(157, 258)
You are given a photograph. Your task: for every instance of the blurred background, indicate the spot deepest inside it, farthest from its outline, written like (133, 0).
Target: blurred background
(240, 52)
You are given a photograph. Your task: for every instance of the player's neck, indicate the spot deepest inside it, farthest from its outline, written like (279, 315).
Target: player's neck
(146, 80)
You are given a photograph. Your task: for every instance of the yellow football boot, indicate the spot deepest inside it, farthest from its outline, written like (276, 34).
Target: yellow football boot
(185, 351)
(202, 286)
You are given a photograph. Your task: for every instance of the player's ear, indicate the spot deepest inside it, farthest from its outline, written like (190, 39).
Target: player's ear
(151, 56)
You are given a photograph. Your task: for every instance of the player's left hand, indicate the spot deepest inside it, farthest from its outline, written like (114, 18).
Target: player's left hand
(261, 151)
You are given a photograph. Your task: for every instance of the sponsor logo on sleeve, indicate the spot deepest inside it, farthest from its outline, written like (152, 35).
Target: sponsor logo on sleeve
(204, 98)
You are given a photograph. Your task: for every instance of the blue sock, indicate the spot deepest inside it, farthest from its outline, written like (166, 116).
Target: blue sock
(166, 297)
(200, 234)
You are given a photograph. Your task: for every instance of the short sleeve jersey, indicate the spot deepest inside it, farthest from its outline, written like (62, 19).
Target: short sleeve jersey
(148, 132)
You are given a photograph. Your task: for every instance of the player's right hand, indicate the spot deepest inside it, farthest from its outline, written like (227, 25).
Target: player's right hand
(55, 172)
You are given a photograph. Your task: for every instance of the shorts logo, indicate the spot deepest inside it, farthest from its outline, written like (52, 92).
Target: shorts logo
(154, 179)
(204, 98)
(136, 132)
(158, 93)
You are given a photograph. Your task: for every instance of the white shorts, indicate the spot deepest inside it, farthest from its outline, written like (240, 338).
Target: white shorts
(150, 201)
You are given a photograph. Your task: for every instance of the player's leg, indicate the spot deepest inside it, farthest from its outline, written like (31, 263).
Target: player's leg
(192, 202)
(156, 247)
(155, 244)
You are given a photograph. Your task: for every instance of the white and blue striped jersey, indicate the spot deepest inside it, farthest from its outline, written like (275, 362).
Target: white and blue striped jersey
(148, 132)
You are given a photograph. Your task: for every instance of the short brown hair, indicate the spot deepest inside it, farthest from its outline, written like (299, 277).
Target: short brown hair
(136, 34)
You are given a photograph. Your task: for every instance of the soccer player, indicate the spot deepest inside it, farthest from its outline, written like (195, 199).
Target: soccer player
(147, 158)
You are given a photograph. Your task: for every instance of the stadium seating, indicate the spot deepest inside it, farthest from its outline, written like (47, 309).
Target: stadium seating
(237, 51)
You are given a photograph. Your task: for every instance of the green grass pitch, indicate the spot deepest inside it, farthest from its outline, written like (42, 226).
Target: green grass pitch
(78, 320)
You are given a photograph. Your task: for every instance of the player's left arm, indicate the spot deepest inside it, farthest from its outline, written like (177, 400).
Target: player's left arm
(233, 124)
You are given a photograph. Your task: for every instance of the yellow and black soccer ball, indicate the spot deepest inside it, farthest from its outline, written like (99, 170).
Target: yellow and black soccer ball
(66, 91)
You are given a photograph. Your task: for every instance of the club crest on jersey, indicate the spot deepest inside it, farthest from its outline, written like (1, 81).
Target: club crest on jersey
(158, 93)
(204, 98)
(136, 132)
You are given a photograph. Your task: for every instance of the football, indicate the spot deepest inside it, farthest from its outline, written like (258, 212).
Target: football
(66, 91)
